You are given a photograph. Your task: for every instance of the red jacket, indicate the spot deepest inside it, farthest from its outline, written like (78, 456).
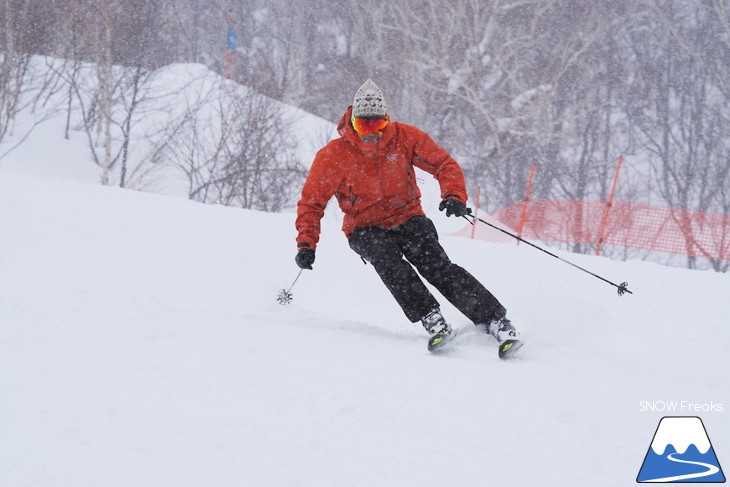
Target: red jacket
(375, 183)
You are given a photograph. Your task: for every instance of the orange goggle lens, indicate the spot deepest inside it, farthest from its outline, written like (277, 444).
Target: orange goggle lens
(370, 126)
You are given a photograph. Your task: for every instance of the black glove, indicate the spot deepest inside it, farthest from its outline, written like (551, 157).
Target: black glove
(305, 258)
(454, 207)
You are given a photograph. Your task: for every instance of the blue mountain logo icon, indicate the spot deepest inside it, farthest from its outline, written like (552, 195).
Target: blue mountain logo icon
(681, 452)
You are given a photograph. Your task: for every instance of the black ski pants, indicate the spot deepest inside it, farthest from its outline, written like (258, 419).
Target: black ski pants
(395, 252)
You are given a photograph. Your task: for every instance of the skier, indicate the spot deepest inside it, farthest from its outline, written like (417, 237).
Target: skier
(370, 170)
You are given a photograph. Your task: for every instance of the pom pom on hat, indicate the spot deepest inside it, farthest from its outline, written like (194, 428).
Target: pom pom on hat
(369, 102)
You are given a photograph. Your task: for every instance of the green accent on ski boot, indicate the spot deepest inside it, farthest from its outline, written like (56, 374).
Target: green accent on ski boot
(508, 349)
(436, 343)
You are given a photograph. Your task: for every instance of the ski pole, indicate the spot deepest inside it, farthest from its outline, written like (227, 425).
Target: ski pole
(285, 296)
(622, 288)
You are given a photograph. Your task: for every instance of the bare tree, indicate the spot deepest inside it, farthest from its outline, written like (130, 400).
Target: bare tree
(234, 146)
(683, 118)
(25, 85)
(503, 83)
(14, 63)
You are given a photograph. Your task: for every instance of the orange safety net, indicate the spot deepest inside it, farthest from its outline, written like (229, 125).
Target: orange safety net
(627, 225)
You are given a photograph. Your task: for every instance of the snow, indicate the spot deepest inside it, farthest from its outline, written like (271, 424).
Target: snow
(141, 344)
(519, 102)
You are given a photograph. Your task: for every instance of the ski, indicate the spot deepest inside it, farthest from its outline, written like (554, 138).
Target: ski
(441, 342)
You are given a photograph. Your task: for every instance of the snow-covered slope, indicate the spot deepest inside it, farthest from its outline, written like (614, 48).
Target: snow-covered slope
(141, 345)
(35, 143)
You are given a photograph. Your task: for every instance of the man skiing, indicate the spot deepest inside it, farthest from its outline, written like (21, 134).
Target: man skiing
(370, 170)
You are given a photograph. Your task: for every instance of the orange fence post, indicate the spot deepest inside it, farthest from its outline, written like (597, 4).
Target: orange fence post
(476, 211)
(609, 204)
(527, 199)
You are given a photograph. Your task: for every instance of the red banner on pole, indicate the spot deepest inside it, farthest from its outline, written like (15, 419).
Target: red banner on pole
(230, 59)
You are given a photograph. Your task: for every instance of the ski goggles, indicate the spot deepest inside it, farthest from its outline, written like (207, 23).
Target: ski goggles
(370, 126)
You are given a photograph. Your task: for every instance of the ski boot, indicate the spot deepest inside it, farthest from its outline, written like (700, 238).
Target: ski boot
(440, 331)
(507, 336)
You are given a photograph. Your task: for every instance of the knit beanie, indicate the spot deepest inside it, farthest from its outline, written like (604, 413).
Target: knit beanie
(369, 102)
